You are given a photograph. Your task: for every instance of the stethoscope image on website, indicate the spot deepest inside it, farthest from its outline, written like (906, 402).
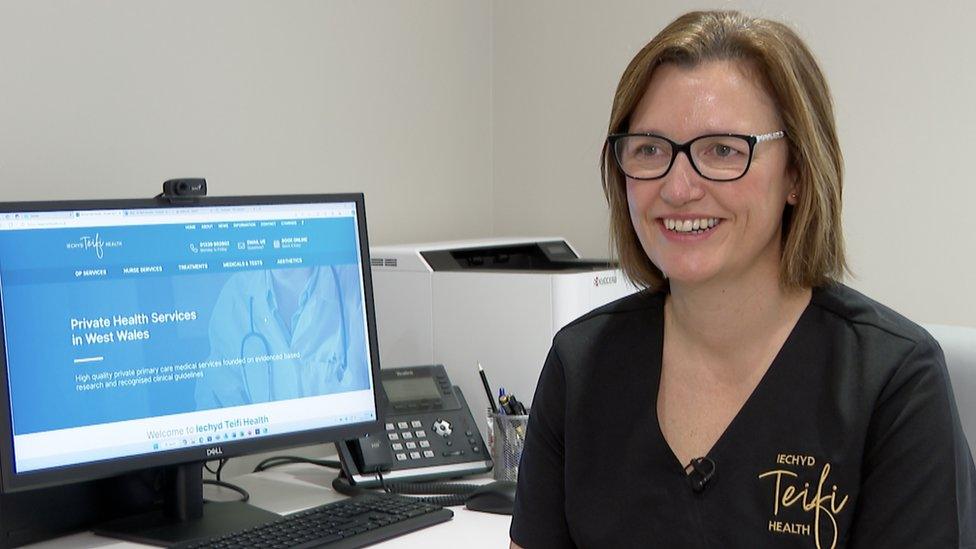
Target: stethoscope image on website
(260, 340)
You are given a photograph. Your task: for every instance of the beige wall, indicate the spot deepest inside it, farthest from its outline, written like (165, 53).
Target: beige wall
(903, 85)
(470, 118)
(109, 98)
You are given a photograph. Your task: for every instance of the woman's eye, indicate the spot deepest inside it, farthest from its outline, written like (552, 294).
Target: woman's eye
(647, 150)
(724, 151)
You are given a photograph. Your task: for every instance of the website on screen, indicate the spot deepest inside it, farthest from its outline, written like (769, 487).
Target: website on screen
(144, 330)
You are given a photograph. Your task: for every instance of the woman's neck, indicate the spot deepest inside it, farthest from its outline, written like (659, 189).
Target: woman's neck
(732, 320)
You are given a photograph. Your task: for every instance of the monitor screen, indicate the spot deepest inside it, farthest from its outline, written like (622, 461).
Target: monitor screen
(139, 334)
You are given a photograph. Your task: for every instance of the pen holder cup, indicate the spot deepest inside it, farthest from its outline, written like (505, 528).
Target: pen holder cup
(506, 438)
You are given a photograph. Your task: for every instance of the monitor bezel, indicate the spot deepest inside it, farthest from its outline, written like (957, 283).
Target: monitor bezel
(13, 481)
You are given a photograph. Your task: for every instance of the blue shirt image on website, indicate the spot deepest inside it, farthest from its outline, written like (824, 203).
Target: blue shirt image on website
(284, 334)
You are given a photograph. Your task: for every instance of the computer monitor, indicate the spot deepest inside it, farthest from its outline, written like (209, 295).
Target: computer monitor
(144, 333)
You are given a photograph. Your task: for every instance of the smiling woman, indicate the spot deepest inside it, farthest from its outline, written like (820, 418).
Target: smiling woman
(722, 176)
(757, 402)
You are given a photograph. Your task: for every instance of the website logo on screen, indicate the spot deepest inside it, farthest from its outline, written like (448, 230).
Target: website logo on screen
(94, 243)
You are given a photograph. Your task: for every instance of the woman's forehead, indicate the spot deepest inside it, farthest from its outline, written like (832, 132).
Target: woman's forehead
(715, 96)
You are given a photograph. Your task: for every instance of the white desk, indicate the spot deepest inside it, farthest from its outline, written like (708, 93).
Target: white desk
(295, 487)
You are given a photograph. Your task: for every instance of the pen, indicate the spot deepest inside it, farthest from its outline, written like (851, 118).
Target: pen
(506, 405)
(484, 381)
(517, 406)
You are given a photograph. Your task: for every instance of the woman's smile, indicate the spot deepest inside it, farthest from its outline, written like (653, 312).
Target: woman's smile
(693, 228)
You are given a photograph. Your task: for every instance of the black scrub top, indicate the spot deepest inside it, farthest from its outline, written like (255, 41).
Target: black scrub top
(851, 439)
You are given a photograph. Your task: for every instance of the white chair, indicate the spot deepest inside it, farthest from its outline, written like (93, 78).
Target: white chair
(959, 345)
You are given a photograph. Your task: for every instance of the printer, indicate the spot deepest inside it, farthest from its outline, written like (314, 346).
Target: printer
(497, 302)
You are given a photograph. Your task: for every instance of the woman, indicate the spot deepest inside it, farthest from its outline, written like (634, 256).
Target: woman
(745, 398)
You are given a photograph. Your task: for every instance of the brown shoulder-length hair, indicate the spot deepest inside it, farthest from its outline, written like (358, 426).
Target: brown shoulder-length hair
(813, 241)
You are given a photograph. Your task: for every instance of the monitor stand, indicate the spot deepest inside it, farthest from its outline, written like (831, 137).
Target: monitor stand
(184, 515)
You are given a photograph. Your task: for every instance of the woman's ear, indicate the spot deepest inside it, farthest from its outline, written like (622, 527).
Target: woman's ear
(793, 195)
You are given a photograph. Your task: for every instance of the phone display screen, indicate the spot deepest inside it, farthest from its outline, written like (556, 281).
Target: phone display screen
(413, 388)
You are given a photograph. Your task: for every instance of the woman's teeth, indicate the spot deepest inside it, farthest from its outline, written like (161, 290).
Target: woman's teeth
(691, 225)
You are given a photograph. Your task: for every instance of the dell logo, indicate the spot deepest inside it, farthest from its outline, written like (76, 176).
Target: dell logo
(215, 451)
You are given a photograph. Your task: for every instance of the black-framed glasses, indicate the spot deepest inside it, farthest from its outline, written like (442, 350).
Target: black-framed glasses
(717, 157)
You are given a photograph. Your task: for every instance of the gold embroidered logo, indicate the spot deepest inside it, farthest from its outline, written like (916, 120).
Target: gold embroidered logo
(790, 490)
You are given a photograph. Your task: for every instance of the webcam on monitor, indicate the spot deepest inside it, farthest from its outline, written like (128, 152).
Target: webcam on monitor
(185, 187)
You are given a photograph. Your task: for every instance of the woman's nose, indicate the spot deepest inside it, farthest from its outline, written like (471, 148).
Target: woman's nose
(682, 184)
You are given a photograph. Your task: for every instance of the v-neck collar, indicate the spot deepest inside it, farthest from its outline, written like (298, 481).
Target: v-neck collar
(784, 357)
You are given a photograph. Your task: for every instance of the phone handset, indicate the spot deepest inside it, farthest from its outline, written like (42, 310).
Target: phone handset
(372, 454)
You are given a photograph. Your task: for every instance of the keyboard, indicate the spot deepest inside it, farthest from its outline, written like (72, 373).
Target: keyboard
(355, 522)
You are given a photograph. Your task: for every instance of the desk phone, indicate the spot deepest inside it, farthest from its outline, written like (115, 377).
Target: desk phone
(429, 432)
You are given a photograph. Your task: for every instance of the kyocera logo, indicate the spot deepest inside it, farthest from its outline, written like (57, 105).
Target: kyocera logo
(94, 243)
(604, 280)
(215, 451)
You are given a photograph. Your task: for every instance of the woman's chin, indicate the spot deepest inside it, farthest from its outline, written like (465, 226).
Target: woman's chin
(689, 275)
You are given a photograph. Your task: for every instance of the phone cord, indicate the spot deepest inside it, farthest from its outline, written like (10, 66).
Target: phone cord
(456, 494)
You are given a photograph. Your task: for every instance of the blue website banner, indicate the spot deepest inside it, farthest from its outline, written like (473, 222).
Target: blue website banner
(116, 323)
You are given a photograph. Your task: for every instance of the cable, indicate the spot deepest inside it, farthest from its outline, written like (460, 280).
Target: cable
(342, 485)
(244, 493)
(448, 494)
(220, 467)
(206, 466)
(276, 461)
(426, 488)
(454, 494)
(454, 500)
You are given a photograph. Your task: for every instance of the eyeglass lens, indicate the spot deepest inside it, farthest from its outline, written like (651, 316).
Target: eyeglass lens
(718, 157)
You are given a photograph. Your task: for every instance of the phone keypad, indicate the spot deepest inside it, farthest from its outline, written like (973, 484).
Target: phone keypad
(413, 437)
(409, 440)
